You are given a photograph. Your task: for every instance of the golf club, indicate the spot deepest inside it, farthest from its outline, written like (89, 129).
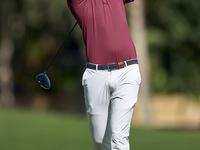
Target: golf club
(42, 78)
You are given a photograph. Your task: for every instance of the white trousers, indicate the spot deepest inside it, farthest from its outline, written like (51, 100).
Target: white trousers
(110, 97)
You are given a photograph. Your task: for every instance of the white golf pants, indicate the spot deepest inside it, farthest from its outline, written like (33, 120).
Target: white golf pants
(110, 97)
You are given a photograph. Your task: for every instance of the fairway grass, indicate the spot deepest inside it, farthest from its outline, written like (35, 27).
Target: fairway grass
(28, 130)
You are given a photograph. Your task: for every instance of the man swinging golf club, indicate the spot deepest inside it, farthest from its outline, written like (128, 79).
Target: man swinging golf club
(111, 79)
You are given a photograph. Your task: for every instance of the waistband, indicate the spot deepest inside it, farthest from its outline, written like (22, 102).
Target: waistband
(113, 66)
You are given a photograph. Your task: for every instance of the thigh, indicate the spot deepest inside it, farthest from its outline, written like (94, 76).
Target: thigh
(123, 100)
(126, 85)
(96, 91)
(122, 106)
(97, 100)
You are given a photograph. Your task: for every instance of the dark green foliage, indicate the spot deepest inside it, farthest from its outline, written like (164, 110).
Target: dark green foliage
(173, 33)
(38, 28)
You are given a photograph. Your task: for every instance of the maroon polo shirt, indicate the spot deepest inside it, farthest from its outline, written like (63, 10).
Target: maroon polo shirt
(105, 30)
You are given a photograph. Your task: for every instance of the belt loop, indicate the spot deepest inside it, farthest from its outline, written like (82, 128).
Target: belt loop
(125, 63)
(96, 67)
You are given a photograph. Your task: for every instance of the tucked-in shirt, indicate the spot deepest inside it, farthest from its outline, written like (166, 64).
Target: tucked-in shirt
(105, 30)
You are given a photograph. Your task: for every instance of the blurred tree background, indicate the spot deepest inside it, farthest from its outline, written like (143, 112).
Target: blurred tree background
(32, 31)
(173, 36)
(36, 29)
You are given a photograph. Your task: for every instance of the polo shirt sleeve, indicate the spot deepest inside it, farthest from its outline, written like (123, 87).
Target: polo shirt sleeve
(127, 1)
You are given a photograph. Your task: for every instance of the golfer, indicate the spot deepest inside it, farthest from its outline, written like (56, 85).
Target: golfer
(112, 78)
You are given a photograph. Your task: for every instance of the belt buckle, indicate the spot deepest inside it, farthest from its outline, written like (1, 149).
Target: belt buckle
(109, 69)
(121, 64)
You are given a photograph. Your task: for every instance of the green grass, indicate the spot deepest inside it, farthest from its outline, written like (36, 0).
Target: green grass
(29, 130)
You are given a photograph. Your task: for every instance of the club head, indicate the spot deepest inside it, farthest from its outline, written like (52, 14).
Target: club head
(43, 80)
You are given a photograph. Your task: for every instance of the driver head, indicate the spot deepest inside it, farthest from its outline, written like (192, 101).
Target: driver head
(43, 80)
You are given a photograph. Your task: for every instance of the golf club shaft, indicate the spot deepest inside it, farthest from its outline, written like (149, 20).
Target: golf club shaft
(60, 47)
